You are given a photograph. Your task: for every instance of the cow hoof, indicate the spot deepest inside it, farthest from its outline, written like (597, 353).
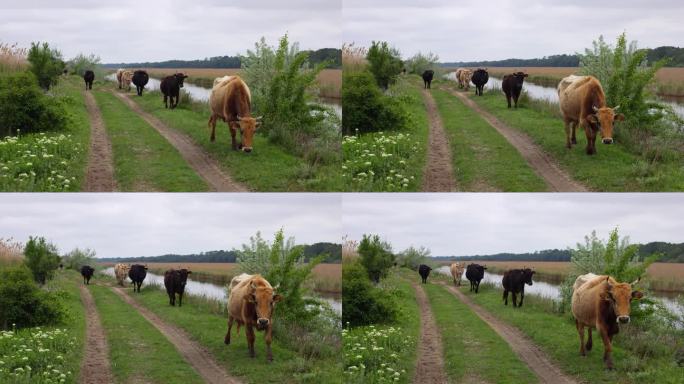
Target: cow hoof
(226, 341)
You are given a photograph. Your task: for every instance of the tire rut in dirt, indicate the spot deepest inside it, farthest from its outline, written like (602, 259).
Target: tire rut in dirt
(438, 175)
(95, 367)
(525, 349)
(100, 172)
(198, 357)
(200, 161)
(542, 163)
(430, 362)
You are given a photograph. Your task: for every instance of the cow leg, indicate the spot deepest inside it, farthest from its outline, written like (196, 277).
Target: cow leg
(212, 126)
(477, 287)
(568, 130)
(166, 105)
(574, 128)
(508, 99)
(180, 299)
(505, 297)
(250, 339)
(515, 298)
(590, 343)
(515, 99)
(226, 340)
(580, 331)
(233, 132)
(172, 299)
(267, 338)
(591, 139)
(607, 348)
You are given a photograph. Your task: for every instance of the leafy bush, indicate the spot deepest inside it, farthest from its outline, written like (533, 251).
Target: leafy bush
(46, 64)
(35, 356)
(366, 108)
(420, 62)
(81, 63)
(42, 258)
(23, 106)
(78, 258)
(362, 302)
(385, 63)
(413, 257)
(376, 256)
(23, 303)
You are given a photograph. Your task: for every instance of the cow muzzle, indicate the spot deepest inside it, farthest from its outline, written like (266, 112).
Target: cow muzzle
(262, 323)
(623, 319)
(247, 149)
(608, 140)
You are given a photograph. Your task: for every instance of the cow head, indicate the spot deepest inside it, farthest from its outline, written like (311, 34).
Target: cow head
(179, 78)
(602, 119)
(183, 276)
(519, 79)
(248, 125)
(264, 298)
(619, 296)
(527, 276)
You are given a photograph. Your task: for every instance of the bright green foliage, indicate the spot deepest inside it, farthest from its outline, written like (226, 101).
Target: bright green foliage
(46, 64)
(376, 256)
(362, 302)
(24, 107)
(385, 63)
(412, 257)
(81, 63)
(42, 258)
(419, 62)
(23, 303)
(78, 258)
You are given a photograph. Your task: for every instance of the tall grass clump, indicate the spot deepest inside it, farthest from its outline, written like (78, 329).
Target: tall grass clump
(11, 251)
(283, 85)
(353, 58)
(12, 58)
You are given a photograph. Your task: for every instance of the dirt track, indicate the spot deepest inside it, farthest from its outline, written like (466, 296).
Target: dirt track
(196, 157)
(100, 173)
(542, 163)
(430, 364)
(95, 368)
(527, 351)
(438, 175)
(201, 360)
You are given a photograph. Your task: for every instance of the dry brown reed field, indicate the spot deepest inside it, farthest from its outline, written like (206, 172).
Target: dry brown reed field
(330, 83)
(12, 58)
(353, 58)
(11, 251)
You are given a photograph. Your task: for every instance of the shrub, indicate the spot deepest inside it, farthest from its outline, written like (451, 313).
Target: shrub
(81, 63)
(413, 257)
(367, 109)
(78, 258)
(46, 64)
(385, 63)
(420, 62)
(24, 107)
(42, 258)
(376, 256)
(363, 303)
(23, 303)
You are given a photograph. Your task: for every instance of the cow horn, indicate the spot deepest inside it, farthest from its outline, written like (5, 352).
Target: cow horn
(595, 108)
(258, 118)
(635, 282)
(616, 107)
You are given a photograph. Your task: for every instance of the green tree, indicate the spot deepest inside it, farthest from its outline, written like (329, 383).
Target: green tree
(81, 63)
(46, 64)
(78, 258)
(376, 256)
(413, 257)
(421, 62)
(385, 63)
(42, 258)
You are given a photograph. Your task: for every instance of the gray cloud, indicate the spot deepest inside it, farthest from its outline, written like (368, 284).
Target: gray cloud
(135, 31)
(462, 224)
(120, 225)
(500, 29)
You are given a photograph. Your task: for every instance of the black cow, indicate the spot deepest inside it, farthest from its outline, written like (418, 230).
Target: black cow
(137, 274)
(174, 281)
(512, 86)
(424, 272)
(427, 78)
(89, 77)
(87, 273)
(140, 79)
(474, 274)
(480, 78)
(514, 281)
(170, 87)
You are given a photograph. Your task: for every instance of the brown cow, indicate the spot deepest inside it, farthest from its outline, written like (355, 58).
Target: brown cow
(231, 101)
(601, 302)
(251, 304)
(457, 272)
(464, 78)
(119, 72)
(583, 102)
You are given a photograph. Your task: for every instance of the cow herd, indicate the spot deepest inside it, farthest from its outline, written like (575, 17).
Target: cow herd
(598, 301)
(251, 298)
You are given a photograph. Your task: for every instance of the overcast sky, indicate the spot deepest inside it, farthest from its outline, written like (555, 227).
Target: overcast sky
(125, 224)
(473, 30)
(483, 223)
(154, 30)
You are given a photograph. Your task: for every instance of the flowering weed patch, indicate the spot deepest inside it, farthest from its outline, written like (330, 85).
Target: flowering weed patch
(34, 355)
(375, 354)
(39, 162)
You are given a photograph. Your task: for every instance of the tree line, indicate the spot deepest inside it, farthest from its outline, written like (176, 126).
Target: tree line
(333, 55)
(671, 253)
(333, 251)
(675, 54)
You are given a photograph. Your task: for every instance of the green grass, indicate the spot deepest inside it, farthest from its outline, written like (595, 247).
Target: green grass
(613, 168)
(268, 168)
(209, 330)
(471, 347)
(138, 351)
(557, 336)
(483, 159)
(143, 159)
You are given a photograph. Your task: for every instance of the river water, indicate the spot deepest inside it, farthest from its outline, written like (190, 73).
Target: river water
(215, 291)
(552, 291)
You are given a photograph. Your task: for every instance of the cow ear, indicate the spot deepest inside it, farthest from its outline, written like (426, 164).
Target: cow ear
(619, 117)
(277, 298)
(636, 295)
(189, 272)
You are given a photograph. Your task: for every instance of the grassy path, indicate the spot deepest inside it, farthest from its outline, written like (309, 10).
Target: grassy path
(438, 175)
(95, 367)
(430, 364)
(100, 171)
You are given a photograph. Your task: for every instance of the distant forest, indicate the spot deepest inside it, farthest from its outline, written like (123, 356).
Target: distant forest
(315, 57)
(675, 54)
(672, 253)
(334, 252)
